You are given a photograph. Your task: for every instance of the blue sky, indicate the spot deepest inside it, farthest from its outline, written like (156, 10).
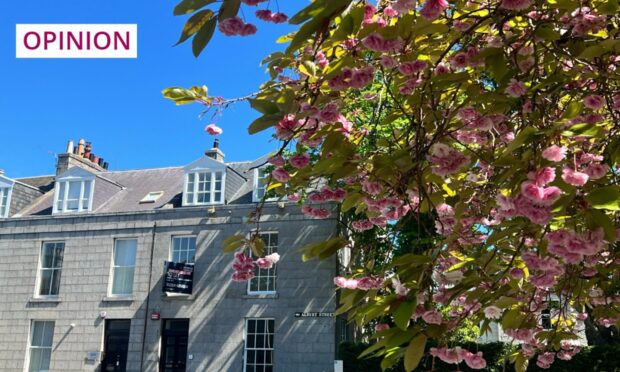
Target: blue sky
(117, 104)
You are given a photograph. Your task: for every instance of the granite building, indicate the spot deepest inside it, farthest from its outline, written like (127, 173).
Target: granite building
(82, 255)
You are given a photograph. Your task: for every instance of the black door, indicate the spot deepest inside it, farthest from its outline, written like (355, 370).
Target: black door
(174, 345)
(116, 344)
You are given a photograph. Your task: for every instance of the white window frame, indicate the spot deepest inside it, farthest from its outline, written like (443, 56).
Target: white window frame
(245, 342)
(41, 268)
(6, 190)
(258, 271)
(31, 347)
(74, 176)
(113, 267)
(212, 189)
(171, 255)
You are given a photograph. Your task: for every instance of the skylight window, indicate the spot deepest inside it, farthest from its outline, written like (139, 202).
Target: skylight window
(152, 197)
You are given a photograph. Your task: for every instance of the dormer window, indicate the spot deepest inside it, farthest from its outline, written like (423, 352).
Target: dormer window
(204, 182)
(260, 183)
(6, 187)
(74, 191)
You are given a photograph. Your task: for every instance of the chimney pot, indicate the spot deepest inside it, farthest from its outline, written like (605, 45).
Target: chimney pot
(100, 162)
(106, 165)
(70, 146)
(216, 143)
(215, 152)
(80, 151)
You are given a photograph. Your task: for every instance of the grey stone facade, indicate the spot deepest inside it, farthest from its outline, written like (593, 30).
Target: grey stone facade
(216, 310)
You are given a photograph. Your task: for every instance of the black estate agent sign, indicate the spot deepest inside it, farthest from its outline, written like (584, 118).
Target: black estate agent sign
(178, 277)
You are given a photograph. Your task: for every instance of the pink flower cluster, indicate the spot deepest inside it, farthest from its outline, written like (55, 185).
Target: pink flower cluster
(457, 355)
(516, 4)
(548, 268)
(446, 160)
(235, 26)
(243, 266)
(583, 21)
(378, 43)
(327, 194)
(356, 78)
(213, 130)
(432, 9)
(366, 283)
(268, 261)
(572, 247)
(318, 213)
(268, 16)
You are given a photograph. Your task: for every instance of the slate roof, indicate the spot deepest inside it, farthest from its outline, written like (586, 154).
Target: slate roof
(121, 191)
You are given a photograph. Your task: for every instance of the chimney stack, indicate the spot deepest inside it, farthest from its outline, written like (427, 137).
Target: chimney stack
(215, 151)
(80, 156)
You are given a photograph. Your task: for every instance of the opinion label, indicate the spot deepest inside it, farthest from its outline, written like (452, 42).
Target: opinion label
(76, 41)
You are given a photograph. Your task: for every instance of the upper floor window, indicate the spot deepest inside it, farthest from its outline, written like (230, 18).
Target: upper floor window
(50, 268)
(204, 188)
(4, 201)
(6, 187)
(123, 267)
(260, 183)
(264, 281)
(205, 181)
(74, 191)
(183, 249)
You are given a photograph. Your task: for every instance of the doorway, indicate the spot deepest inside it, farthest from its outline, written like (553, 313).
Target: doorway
(174, 345)
(116, 345)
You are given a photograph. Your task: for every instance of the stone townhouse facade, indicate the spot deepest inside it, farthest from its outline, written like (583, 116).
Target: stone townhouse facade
(82, 258)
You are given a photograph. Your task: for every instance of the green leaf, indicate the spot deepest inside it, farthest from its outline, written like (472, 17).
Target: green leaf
(203, 37)
(180, 96)
(323, 249)
(232, 243)
(403, 314)
(350, 201)
(512, 319)
(609, 7)
(257, 244)
(605, 198)
(572, 110)
(264, 122)
(585, 130)
(415, 352)
(194, 24)
(190, 6)
(228, 9)
(264, 106)
(523, 136)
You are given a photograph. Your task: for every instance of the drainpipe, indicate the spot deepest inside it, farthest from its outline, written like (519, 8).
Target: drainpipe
(148, 297)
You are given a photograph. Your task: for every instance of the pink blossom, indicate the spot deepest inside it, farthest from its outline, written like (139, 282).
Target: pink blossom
(235, 26)
(515, 4)
(573, 177)
(596, 171)
(367, 283)
(542, 176)
(545, 360)
(243, 267)
(362, 225)
(377, 43)
(372, 188)
(252, 2)
(267, 262)
(293, 197)
(515, 88)
(281, 175)
(279, 17)
(381, 327)
(390, 11)
(248, 29)
(516, 273)
(276, 160)
(342, 282)
(446, 160)
(388, 62)
(492, 312)
(475, 361)
(264, 14)
(300, 161)
(432, 317)
(213, 130)
(450, 356)
(554, 153)
(594, 102)
(411, 67)
(442, 68)
(432, 9)
(404, 6)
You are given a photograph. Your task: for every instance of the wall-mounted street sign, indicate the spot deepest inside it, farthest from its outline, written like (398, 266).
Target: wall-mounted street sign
(178, 277)
(314, 315)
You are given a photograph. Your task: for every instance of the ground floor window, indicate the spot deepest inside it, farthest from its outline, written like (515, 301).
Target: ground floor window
(41, 337)
(259, 345)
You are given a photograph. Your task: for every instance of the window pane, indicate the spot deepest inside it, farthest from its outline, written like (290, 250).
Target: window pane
(55, 285)
(123, 280)
(125, 252)
(47, 255)
(61, 195)
(86, 197)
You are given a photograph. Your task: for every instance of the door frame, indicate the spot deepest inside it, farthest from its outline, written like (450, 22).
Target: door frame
(162, 345)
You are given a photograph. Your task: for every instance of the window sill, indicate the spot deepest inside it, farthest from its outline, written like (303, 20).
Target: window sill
(118, 299)
(261, 295)
(44, 299)
(177, 296)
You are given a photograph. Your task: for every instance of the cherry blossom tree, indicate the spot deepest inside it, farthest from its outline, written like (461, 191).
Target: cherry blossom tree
(497, 120)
